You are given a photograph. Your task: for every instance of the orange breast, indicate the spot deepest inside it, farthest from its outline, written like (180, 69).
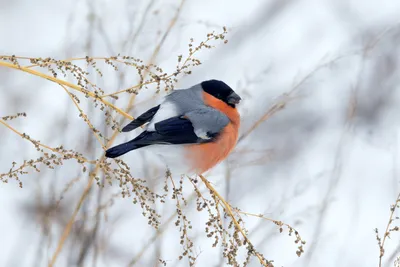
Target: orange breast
(205, 156)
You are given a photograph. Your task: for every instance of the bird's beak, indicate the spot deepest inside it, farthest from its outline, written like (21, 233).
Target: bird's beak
(234, 98)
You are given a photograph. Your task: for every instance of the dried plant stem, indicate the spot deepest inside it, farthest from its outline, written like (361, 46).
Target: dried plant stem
(298, 239)
(274, 109)
(261, 216)
(68, 228)
(157, 50)
(228, 210)
(43, 145)
(85, 193)
(84, 116)
(68, 84)
(387, 230)
(166, 33)
(131, 88)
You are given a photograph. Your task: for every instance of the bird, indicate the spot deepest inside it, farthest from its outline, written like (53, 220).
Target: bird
(202, 118)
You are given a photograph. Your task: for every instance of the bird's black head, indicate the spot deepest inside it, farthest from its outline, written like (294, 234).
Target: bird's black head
(221, 91)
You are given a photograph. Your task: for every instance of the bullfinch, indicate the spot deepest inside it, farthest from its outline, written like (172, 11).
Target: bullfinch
(203, 119)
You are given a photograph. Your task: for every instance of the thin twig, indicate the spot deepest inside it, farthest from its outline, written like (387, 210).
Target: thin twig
(228, 210)
(68, 84)
(386, 234)
(68, 228)
(55, 150)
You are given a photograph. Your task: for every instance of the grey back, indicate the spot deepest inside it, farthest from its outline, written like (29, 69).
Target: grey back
(187, 99)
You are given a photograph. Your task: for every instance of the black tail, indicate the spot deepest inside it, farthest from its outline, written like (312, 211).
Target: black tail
(122, 149)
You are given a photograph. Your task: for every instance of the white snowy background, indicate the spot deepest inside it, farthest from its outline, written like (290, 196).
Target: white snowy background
(331, 175)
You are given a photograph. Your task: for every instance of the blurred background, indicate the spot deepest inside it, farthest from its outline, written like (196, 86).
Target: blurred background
(327, 163)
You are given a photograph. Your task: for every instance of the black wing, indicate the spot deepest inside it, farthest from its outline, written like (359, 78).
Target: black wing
(176, 130)
(142, 119)
(173, 131)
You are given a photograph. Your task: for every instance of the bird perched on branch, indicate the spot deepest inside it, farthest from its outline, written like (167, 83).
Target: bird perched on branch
(203, 119)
